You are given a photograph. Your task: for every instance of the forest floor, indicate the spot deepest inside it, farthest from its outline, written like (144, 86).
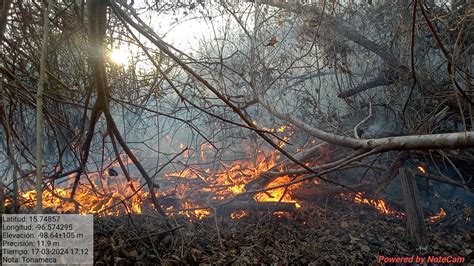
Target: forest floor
(338, 232)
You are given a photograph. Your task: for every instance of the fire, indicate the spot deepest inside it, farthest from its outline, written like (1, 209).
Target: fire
(421, 169)
(438, 216)
(382, 207)
(239, 215)
(279, 194)
(205, 150)
(105, 195)
(114, 198)
(193, 212)
(233, 178)
(232, 181)
(379, 204)
(237, 189)
(281, 129)
(50, 199)
(183, 147)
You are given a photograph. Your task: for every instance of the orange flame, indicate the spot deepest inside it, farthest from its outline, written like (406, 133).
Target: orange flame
(115, 199)
(379, 204)
(107, 195)
(205, 150)
(278, 194)
(421, 169)
(239, 215)
(438, 216)
(233, 178)
(194, 212)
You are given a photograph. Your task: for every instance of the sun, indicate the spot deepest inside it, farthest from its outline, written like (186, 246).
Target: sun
(120, 55)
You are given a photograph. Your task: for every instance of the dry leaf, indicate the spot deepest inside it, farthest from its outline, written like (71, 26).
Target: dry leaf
(272, 42)
(365, 248)
(133, 253)
(353, 239)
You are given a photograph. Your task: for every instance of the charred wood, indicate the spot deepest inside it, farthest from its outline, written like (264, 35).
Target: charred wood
(415, 221)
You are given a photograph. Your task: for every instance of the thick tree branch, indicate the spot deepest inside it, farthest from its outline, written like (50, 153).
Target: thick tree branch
(39, 110)
(97, 26)
(4, 17)
(414, 142)
(377, 82)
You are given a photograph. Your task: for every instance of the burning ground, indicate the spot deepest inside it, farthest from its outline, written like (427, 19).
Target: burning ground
(246, 211)
(242, 212)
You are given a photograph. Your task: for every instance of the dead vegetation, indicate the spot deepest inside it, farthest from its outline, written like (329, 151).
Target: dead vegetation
(325, 234)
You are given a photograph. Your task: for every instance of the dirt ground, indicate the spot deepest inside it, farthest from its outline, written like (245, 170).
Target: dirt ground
(338, 232)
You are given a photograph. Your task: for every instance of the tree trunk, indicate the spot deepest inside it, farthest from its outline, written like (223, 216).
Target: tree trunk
(415, 222)
(39, 111)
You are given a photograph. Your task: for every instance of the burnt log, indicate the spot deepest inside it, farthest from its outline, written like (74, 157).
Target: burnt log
(391, 173)
(307, 155)
(223, 207)
(415, 221)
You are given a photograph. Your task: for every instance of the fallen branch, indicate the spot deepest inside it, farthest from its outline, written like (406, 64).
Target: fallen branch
(411, 142)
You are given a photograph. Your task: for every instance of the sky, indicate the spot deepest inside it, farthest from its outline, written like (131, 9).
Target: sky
(183, 30)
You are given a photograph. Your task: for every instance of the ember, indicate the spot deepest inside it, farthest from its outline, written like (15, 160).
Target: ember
(422, 169)
(193, 212)
(438, 216)
(238, 215)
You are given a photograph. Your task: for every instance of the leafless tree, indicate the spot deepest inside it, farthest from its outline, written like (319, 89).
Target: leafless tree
(376, 83)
